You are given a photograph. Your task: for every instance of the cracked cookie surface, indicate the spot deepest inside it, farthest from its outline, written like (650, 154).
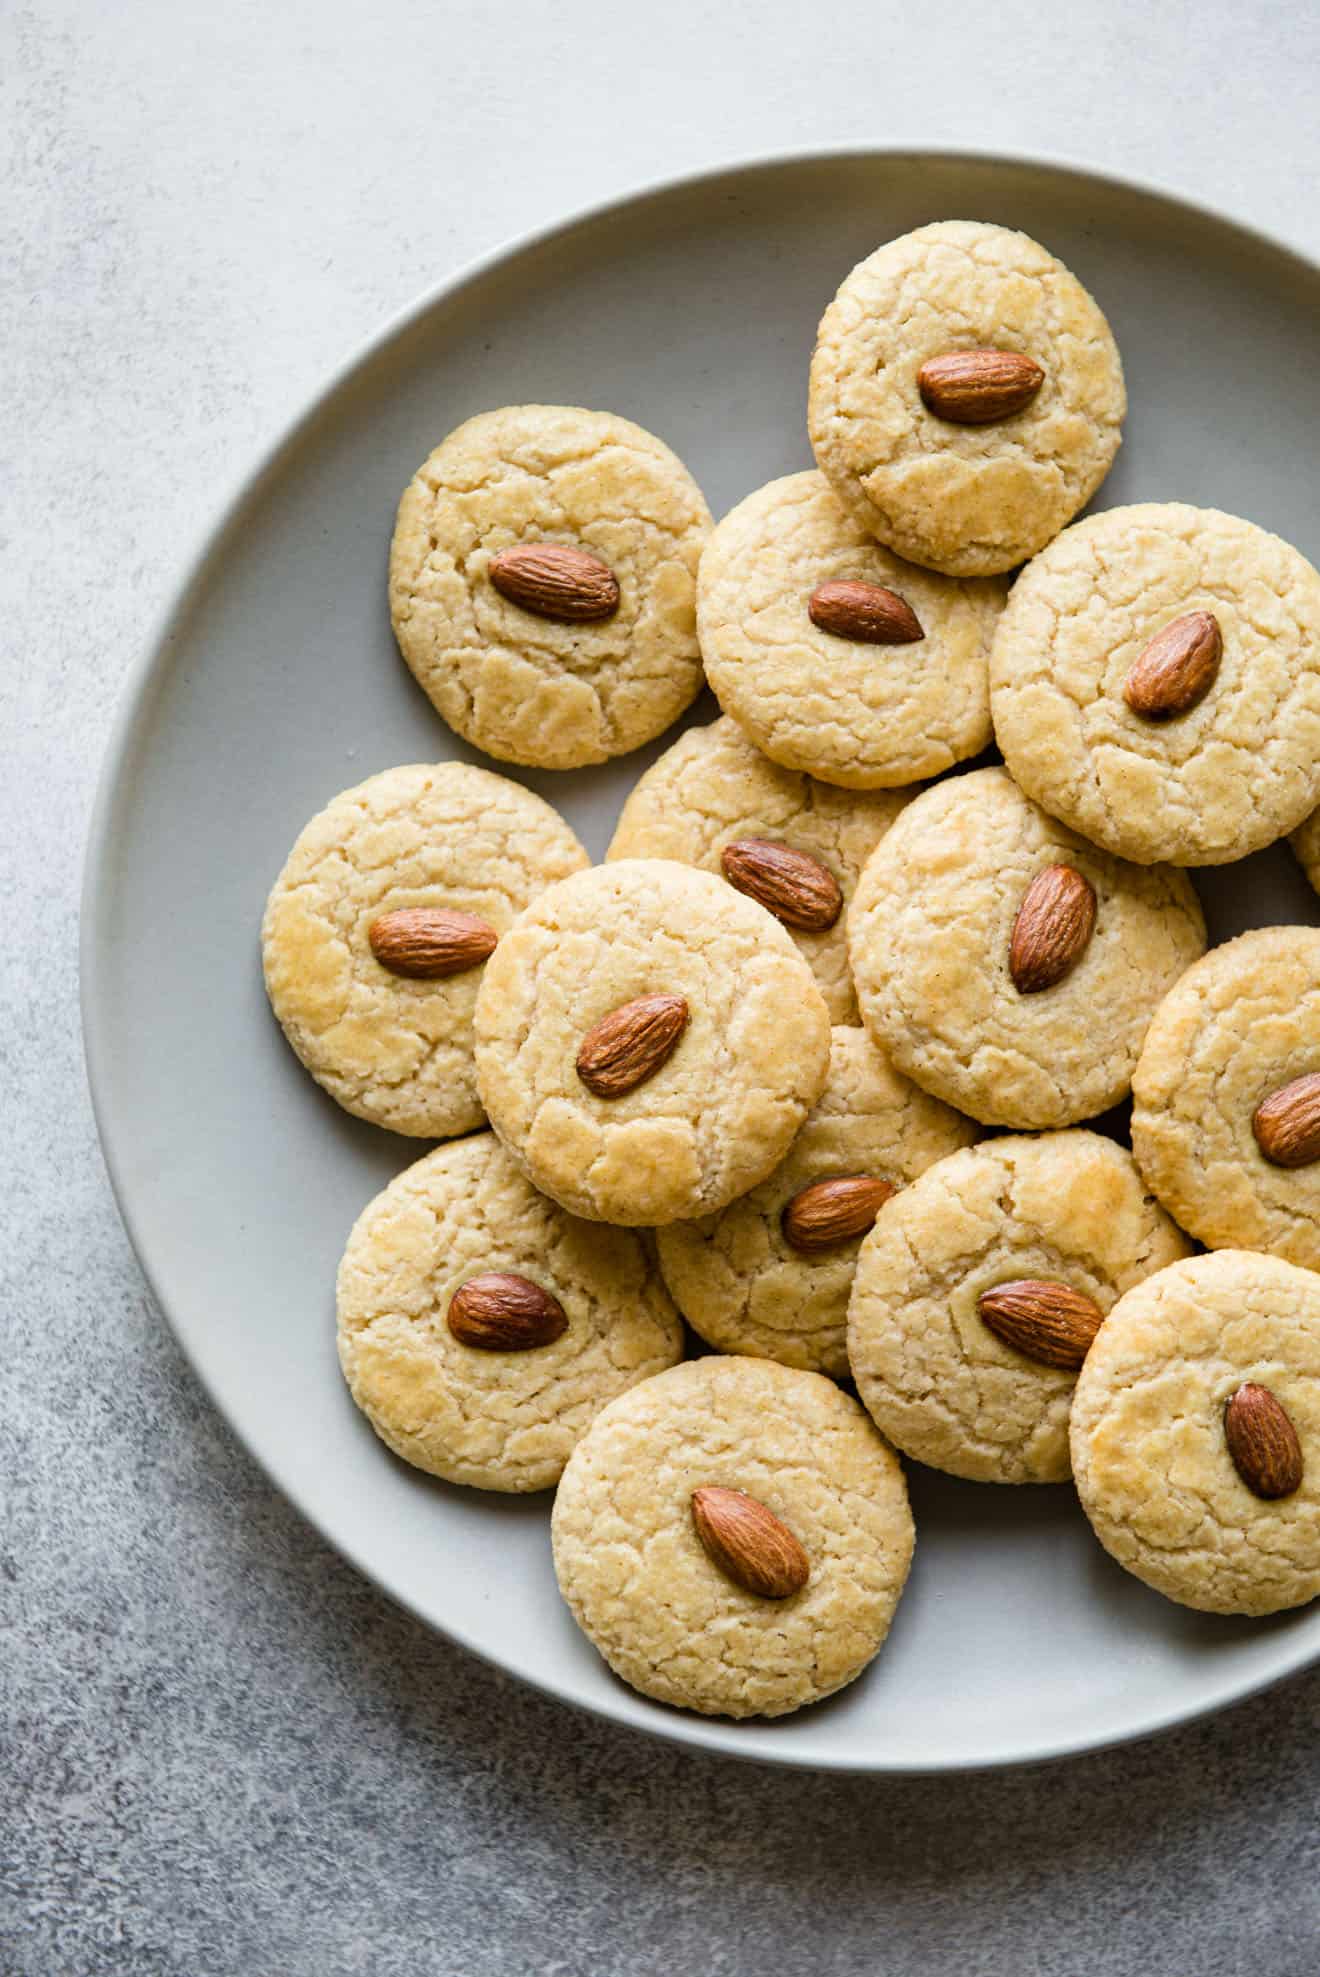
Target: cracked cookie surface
(967, 499)
(949, 1392)
(929, 933)
(526, 688)
(861, 715)
(393, 1050)
(639, 1583)
(1069, 1207)
(1241, 1024)
(736, 1279)
(492, 1420)
(1238, 769)
(712, 787)
(719, 1114)
(1149, 1452)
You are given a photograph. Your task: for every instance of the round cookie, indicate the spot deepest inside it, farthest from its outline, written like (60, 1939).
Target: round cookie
(394, 1049)
(1066, 1208)
(970, 499)
(550, 691)
(736, 1277)
(719, 1112)
(496, 1420)
(800, 680)
(639, 1582)
(1239, 1026)
(930, 933)
(1149, 1447)
(1306, 845)
(712, 789)
(1240, 765)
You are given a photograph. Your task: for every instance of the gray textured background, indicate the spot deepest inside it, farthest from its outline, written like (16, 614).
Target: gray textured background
(222, 1752)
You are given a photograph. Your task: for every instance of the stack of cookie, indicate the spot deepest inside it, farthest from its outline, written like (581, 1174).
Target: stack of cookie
(742, 1069)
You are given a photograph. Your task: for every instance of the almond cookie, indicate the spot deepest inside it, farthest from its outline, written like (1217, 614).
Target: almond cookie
(771, 1274)
(1226, 1113)
(648, 1042)
(1196, 1433)
(377, 928)
(966, 396)
(980, 1289)
(543, 581)
(733, 1537)
(713, 800)
(1007, 966)
(481, 1329)
(1155, 683)
(832, 655)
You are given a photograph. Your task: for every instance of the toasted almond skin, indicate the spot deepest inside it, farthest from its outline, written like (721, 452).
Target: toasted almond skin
(1287, 1123)
(629, 1045)
(792, 885)
(557, 581)
(867, 613)
(1262, 1442)
(1052, 930)
(830, 1212)
(1177, 668)
(977, 387)
(749, 1543)
(429, 942)
(501, 1312)
(1046, 1320)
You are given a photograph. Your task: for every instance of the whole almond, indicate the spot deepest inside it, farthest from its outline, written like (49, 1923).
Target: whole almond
(1262, 1442)
(867, 613)
(1177, 668)
(554, 580)
(429, 942)
(1287, 1123)
(502, 1312)
(977, 387)
(749, 1543)
(792, 885)
(830, 1212)
(1043, 1319)
(1052, 929)
(629, 1045)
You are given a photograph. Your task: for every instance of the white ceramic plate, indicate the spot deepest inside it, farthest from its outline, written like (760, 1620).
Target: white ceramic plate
(274, 682)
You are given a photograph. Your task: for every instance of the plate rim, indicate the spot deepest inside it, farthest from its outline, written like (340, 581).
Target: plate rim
(148, 668)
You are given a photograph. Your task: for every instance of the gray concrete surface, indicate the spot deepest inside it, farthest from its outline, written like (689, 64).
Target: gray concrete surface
(222, 1752)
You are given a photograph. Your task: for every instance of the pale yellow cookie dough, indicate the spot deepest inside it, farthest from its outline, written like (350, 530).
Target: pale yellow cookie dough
(394, 1050)
(1149, 1453)
(1069, 1207)
(929, 934)
(736, 1279)
(1239, 1025)
(1230, 775)
(523, 687)
(865, 716)
(970, 500)
(493, 1420)
(716, 1118)
(713, 787)
(639, 1582)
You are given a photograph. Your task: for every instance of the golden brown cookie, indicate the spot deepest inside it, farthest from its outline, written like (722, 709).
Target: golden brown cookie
(391, 1037)
(648, 1042)
(481, 1329)
(828, 1530)
(966, 396)
(542, 583)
